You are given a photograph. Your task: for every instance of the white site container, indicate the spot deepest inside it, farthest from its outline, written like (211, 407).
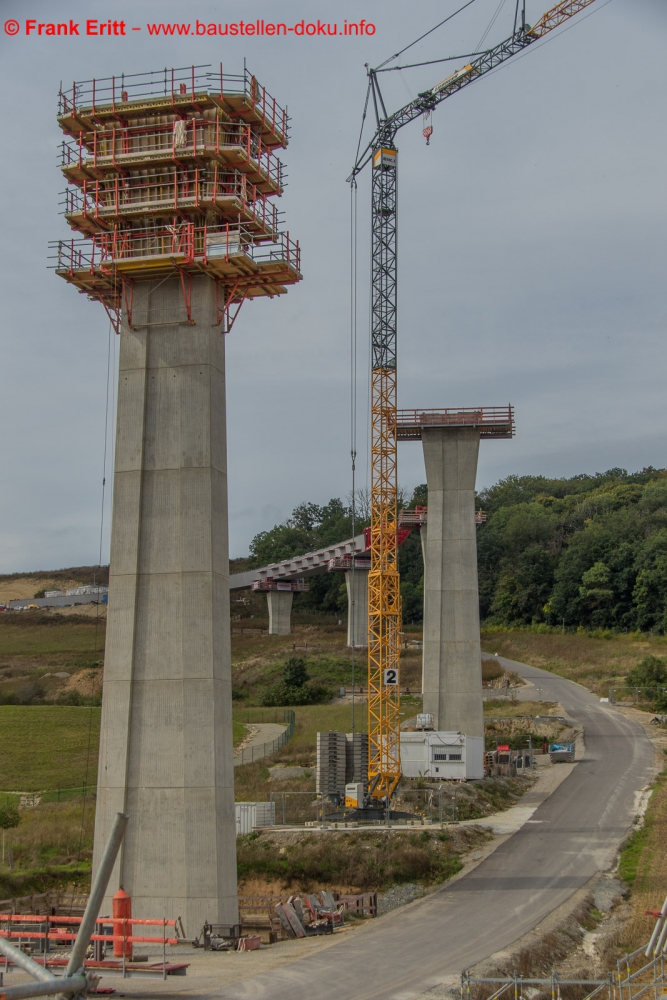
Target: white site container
(250, 815)
(442, 755)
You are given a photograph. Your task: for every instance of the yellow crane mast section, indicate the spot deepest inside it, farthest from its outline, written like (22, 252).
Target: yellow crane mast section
(384, 596)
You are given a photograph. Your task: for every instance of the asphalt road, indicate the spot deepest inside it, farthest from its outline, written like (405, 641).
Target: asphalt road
(572, 835)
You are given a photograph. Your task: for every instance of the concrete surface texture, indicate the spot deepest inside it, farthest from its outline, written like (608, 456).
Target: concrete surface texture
(356, 583)
(166, 735)
(280, 611)
(452, 673)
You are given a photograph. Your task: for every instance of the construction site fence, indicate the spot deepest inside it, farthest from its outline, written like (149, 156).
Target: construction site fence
(29, 927)
(279, 715)
(44, 933)
(425, 806)
(637, 695)
(512, 987)
(636, 975)
(65, 904)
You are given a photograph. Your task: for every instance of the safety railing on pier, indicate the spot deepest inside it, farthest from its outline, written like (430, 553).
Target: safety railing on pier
(187, 242)
(493, 421)
(116, 197)
(174, 141)
(178, 85)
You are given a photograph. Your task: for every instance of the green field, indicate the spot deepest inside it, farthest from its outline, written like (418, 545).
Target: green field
(47, 746)
(61, 637)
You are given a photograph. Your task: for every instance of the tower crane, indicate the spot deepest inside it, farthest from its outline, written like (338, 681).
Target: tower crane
(384, 601)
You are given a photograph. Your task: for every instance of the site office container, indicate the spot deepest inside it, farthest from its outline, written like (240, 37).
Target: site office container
(250, 815)
(442, 755)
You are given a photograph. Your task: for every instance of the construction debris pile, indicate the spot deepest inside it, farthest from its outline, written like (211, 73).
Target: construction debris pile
(272, 919)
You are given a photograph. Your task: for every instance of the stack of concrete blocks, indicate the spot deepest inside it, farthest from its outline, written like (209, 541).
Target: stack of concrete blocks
(356, 757)
(331, 764)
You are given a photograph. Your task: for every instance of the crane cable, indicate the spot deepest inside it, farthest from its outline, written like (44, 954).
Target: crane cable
(352, 610)
(491, 23)
(426, 33)
(111, 366)
(551, 37)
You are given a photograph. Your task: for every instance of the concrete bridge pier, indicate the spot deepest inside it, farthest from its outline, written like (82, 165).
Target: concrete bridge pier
(280, 611)
(356, 582)
(452, 672)
(166, 731)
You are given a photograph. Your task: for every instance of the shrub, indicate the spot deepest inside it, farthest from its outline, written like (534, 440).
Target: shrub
(295, 674)
(293, 688)
(283, 694)
(649, 672)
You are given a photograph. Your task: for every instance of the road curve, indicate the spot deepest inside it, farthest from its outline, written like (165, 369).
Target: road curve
(572, 835)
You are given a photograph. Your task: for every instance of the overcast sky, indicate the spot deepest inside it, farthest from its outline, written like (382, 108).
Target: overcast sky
(531, 264)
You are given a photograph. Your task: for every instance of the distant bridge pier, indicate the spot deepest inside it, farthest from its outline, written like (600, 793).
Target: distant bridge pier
(280, 611)
(452, 672)
(279, 597)
(356, 569)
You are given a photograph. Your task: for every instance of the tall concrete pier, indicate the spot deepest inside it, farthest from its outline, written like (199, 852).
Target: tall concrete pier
(356, 584)
(452, 677)
(166, 735)
(452, 672)
(170, 179)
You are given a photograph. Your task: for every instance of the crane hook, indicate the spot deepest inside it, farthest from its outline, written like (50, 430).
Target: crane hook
(428, 128)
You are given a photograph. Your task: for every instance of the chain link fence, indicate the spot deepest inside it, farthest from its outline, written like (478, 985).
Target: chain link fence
(259, 716)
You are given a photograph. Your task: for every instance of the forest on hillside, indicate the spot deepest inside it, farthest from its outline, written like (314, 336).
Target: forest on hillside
(588, 551)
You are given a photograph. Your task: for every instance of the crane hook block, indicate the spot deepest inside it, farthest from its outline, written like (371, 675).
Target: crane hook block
(428, 128)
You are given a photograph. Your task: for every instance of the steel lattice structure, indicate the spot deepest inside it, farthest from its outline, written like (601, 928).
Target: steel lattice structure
(384, 596)
(384, 602)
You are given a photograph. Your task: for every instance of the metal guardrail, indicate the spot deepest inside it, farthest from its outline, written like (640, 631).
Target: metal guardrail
(250, 754)
(636, 694)
(180, 85)
(491, 421)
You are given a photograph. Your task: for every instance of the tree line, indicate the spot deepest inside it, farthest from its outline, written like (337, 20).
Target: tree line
(589, 551)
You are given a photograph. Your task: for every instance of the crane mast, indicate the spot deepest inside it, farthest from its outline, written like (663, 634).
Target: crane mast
(384, 595)
(384, 599)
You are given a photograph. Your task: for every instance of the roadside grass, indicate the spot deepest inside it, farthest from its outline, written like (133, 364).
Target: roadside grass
(363, 861)
(239, 732)
(504, 707)
(48, 746)
(643, 866)
(597, 663)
